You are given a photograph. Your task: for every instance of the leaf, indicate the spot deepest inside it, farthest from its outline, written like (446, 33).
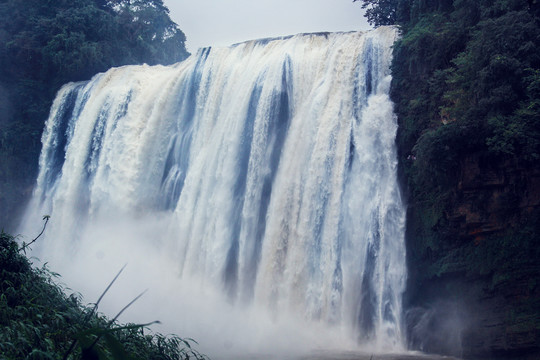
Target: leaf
(116, 348)
(100, 332)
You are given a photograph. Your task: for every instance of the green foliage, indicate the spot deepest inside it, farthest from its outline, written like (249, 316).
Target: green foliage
(466, 80)
(385, 12)
(489, 74)
(44, 44)
(379, 12)
(39, 321)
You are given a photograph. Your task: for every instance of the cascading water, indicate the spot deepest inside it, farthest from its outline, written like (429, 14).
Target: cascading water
(260, 177)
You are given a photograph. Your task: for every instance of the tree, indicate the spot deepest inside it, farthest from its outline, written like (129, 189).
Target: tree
(380, 12)
(387, 12)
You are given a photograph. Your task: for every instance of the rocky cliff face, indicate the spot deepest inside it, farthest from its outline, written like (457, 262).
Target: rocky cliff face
(493, 197)
(474, 287)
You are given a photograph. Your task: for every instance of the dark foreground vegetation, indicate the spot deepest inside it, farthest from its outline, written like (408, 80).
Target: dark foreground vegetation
(45, 44)
(39, 321)
(466, 84)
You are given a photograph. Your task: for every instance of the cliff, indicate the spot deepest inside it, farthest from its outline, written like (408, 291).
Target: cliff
(473, 275)
(466, 84)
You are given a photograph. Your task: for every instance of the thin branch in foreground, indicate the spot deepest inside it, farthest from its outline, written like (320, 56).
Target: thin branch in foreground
(25, 246)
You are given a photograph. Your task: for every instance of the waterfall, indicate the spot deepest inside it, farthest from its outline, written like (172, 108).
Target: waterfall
(262, 175)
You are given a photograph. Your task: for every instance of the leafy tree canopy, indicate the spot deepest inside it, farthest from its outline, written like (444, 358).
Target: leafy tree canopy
(380, 12)
(465, 80)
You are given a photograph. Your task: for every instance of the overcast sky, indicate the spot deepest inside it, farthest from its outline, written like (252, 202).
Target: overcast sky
(225, 22)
